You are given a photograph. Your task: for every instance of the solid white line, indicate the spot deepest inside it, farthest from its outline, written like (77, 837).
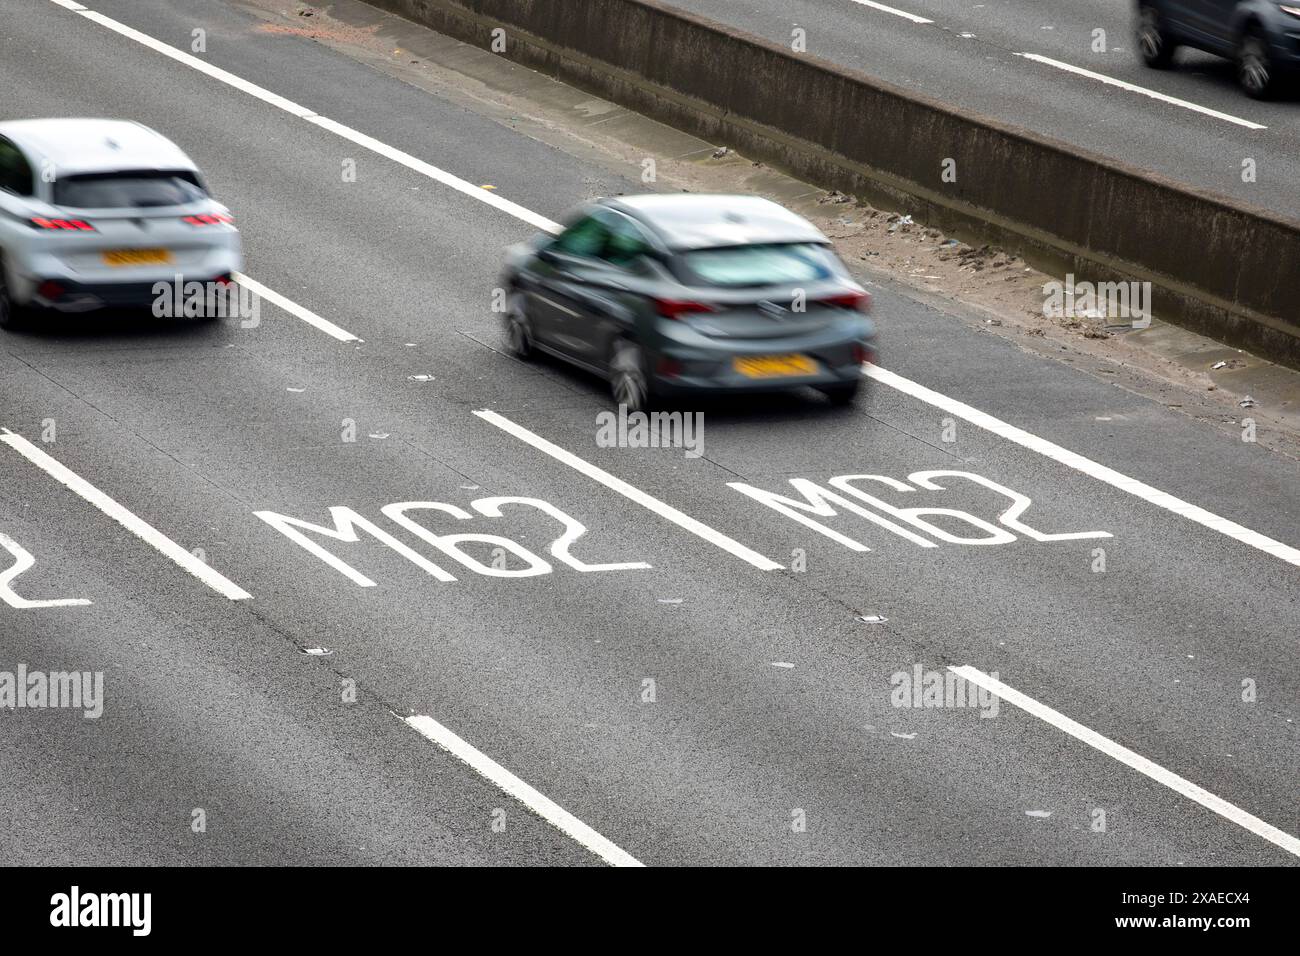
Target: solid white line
(1139, 763)
(1111, 81)
(293, 308)
(302, 112)
(197, 63)
(646, 501)
(543, 806)
(894, 10)
(137, 526)
(434, 173)
(1089, 467)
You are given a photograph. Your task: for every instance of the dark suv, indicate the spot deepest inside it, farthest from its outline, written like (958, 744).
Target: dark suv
(1262, 36)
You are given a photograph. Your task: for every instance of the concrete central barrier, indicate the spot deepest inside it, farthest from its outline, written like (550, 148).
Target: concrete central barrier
(1217, 266)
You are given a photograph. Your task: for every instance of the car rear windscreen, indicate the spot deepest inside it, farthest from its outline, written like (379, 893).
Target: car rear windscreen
(772, 264)
(127, 190)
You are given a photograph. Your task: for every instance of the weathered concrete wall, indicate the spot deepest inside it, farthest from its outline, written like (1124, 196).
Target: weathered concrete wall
(1218, 267)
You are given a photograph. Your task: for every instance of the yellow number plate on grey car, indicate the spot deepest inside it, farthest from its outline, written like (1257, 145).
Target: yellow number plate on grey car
(774, 366)
(137, 257)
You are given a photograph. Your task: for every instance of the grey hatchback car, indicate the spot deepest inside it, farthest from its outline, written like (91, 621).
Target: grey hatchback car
(667, 295)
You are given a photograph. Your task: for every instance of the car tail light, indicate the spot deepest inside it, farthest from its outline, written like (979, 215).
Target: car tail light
(60, 225)
(676, 308)
(849, 300)
(49, 290)
(225, 280)
(668, 368)
(862, 354)
(208, 219)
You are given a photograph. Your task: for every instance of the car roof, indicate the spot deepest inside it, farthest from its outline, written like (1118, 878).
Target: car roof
(684, 221)
(94, 145)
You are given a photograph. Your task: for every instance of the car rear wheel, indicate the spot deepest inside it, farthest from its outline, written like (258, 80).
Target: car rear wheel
(519, 331)
(627, 379)
(1154, 43)
(1255, 71)
(843, 394)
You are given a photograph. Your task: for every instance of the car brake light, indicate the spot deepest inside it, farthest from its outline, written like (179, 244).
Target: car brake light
(65, 225)
(850, 300)
(668, 368)
(208, 219)
(49, 290)
(676, 308)
(862, 354)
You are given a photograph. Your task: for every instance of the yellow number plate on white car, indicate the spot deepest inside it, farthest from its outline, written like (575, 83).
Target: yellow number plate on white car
(137, 257)
(775, 366)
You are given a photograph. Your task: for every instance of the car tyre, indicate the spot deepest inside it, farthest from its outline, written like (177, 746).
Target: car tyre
(519, 330)
(11, 313)
(1255, 70)
(843, 394)
(628, 384)
(1154, 42)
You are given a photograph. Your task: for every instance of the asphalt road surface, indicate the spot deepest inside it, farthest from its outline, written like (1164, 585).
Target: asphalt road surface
(976, 56)
(707, 709)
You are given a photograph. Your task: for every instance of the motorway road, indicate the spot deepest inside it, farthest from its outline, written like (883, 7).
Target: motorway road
(771, 737)
(972, 56)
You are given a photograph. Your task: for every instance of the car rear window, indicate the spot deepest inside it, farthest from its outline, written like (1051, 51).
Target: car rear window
(777, 263)
(127, 190)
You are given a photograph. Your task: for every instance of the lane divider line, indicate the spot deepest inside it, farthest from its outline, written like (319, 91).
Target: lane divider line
(433, 172)
(649, 502)
(1173, 781)
(894, 10)
(136, 525)
(1162, 97)
(294, 309)
(534, 800)
(324, 122)
(1087, 466)
(196, 63)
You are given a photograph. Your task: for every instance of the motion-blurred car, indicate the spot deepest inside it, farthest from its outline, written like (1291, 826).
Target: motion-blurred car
(95, 213)
(1261, 36)
(671, 294)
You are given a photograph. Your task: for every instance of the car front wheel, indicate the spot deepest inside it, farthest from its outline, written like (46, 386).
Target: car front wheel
(627, 379)
(1154, 43)
(519, 330)
(1255, 70)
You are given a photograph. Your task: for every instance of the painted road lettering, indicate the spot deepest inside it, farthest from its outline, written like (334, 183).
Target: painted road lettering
(849, 497)
(348, 525)
(23, 561)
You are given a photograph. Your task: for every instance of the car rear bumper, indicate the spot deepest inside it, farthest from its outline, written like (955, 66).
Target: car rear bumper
(676, 372)
(128, 287)
(75, 297)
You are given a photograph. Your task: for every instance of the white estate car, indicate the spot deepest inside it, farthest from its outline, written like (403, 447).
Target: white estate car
(96, 212)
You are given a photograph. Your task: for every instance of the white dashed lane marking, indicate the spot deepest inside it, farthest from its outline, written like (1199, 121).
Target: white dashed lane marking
(1173, 781)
